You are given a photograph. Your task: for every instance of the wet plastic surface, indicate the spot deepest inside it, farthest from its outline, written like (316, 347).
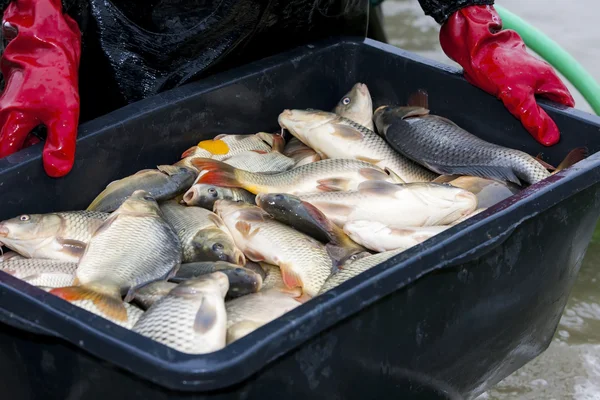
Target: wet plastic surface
(446, 319)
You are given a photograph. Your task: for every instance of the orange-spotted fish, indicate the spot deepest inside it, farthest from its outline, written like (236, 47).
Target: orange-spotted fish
(333, 136)
(320, 176)
(133, 247)
(304, 261)
(225, 146)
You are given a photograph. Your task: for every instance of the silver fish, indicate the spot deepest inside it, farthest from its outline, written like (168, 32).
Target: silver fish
(133, 247)
(60, 236)
(204, 196)
(191, 318)
(248, 313)
(354, 268)
(381, 237)
(147, 295)
(225, 146)
(300, 153)
(357, 106)
(202, 234)
(320, 176)
(256, 161)
(164, 183)
(411, 204)
(41, 272)
(333, 137)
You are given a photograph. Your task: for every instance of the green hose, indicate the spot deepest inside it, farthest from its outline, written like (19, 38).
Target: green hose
(551, 51)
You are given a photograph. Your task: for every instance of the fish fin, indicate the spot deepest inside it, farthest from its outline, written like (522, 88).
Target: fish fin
(573, 157)
(105, 225)
(420, 98)
(340, 254)
(221, 136)
(244, 228)
(109, 306)
(216, 173)
(254, 255)
(379, 188)
(373, 174)
(303, 298)
(214, 146)
(215, 219)
(336, 209)
(169, 169)
(72, 247)
(445, 178)
(332, 184)
(206, 317)
(549, 167)
(347, 132)
(278, 143)
(322, 220)
(482, 171)
(259, 151)
(367, 159)
(290, 278)
(395, 177)
(189, 152)
(254, 214)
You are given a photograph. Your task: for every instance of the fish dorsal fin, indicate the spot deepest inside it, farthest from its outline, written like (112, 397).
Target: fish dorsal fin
(408, 112)
(380, 188)
(169, 169)
(544, 164)
(420, 98)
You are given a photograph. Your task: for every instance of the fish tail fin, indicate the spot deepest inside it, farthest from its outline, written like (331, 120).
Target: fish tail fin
(216, 173)
(549, 167)
(278, 143)
(572, 158)
(108, 305)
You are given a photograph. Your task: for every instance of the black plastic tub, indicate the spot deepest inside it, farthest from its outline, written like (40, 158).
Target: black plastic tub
(446, 319)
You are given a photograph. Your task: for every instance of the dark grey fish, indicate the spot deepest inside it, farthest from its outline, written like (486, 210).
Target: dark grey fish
(242, 280)
(442, 146)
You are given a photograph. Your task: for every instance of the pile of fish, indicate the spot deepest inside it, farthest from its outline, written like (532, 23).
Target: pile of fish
(245, 228)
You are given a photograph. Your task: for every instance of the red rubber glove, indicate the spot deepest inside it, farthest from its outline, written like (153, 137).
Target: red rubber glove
(497, 62)
(40, 65)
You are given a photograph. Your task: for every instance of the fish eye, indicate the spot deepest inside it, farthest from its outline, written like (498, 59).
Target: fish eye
(217, 247)
(25, 217)
(346, 101)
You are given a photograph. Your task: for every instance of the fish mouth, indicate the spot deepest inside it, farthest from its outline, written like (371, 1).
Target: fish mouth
(362, 88)
(4, 231)
(190, 197)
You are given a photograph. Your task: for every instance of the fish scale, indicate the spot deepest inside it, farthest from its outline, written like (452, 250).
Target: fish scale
(191, 318)
(30, 266)
(278, 244)
(446, 148)
(81, 225)
(305, 179)
(142, 249)
(255, 162)
(186, 221)
(236, 144)
(354, 268)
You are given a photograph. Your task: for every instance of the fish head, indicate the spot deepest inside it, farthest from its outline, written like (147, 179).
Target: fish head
(204, 195)
(23, 232)
(213, 244)
(242, 281)
(278, 203)
(356, 104)
(140, 202)
(301, 123)
(226, 209)
(384, 116)
(213, 283)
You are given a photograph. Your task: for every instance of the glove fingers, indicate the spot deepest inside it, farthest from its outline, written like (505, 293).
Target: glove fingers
(14, 131)
(521, 103)
(59, 151)
(553, 89)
